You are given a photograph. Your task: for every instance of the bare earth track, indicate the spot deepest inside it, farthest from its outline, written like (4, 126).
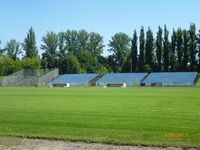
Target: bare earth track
(12, 143)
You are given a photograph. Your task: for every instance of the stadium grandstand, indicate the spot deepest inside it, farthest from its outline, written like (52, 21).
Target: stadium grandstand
(73, 80)
(171, 79)
(119, 78)
(46, 77)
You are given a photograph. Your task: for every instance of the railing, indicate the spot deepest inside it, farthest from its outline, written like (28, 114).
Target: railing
(13, 78)
(30, 77)
(44, 80)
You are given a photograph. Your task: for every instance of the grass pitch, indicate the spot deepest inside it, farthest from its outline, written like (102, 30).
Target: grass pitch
(134, 116)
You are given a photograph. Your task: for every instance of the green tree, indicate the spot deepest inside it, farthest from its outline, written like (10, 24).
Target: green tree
(95, 44)
(147, 68)
(88, 63)
(103, 71)
(29, 45)
(120, 47)
(127, 67)
(82, 40)
(80, 43)
(166, 49)
(192, 47)
(31, 63)
(149, 47)
(142, 49)
(159, 48)
(70, 64)
(185, 50)
(112, 65)
(1, 50)
(103, 60)
(179, 49)
(8, 65)
(134, 52)
(50, 45)
(71, 41)
(12, 49)
(1, 64)
(173, 51)
(62, 52)
(76, 41)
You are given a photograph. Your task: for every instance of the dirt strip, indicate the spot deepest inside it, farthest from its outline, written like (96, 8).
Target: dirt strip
(10, 143)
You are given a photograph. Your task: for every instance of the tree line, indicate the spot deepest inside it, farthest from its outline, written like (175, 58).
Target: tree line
(82, 52)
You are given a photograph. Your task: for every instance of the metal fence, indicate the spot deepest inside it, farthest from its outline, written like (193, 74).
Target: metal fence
(1, 80)
(12, 79)
(30, 77)
(44, 80)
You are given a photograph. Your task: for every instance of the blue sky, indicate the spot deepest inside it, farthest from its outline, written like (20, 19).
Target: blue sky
(106, 17)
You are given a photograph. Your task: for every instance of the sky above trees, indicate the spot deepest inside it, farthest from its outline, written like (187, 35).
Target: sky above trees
(106, 17)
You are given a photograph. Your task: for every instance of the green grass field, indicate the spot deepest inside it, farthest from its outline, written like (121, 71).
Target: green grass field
(135, 116)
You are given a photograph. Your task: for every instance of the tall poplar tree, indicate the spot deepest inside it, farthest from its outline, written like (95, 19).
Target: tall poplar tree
(192, 47)
(166, 49)
(149, 47)
(134, 51)
(185, 50)
(173, 61)
(179, 49)
(142, 48)
(159, 49)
